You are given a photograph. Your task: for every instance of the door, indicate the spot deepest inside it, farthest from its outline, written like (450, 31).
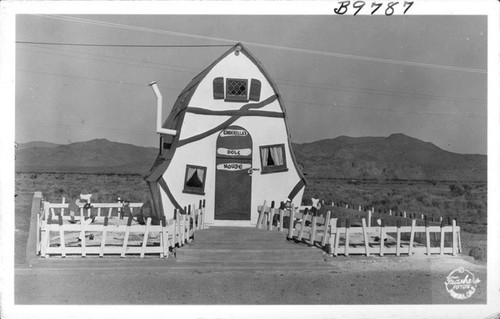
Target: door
(233, 183)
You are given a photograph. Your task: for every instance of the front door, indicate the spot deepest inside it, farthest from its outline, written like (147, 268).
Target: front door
(233, 183)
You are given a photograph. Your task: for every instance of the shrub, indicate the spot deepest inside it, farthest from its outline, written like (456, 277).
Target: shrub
(478, 253)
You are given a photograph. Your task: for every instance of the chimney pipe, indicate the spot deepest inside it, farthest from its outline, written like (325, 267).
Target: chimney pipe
(159, 128)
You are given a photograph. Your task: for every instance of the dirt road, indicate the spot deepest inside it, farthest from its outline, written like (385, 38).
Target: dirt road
(340, 280)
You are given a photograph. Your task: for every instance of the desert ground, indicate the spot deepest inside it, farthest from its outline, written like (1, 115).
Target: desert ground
(338, 280)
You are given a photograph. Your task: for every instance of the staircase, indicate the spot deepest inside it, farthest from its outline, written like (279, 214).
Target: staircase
(248, 247)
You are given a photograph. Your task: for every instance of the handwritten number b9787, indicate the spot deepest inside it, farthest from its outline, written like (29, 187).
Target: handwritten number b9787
(358, 5)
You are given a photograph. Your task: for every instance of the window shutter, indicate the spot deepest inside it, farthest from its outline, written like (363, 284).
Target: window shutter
(218, 88)
(254, 90)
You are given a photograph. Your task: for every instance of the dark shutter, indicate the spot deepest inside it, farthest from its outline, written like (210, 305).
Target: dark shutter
(218, 88)
(254, 90)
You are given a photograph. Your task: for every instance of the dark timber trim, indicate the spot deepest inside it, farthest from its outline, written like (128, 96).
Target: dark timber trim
(228, 122)
(296, 189)
(202, 111)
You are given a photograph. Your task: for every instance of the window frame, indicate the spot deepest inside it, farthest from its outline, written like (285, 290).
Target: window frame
(236, 98)
(274, 168)
(255, 89)
(193, 190)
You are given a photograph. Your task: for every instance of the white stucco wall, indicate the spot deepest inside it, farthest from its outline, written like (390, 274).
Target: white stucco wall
(263, 130)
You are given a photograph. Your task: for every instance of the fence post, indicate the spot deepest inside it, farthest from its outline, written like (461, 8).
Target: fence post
(125, 240)
(164, 237)
(45, 230)
(282, 206)
(303, 224)
(312, 238)
(34, 241)
(458, 237)
(381, 252)
(347, 228)
(261, 214)
(270, 217)
(291, 222)
(365, 237)
(427, 237)
(325, 231)
(82, 232)
(337, 236)
(203, 215)
(454, 237)
(145, 239)
(183, 226)
(62, 240)
(63, 201)
(103, 240)
(176, 230)
(398, 236)
(441, 238)
(412, 236)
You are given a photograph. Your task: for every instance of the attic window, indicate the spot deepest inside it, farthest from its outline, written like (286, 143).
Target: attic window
(236, 90)
(194, 182)
(273, 159)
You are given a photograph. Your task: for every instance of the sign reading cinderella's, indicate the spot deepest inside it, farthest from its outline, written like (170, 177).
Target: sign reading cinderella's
(461, 284)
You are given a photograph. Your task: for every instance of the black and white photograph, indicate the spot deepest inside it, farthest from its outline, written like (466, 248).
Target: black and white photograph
(249, 159)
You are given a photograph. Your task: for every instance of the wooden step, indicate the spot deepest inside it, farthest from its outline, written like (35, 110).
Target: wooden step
(250, 245)
(238, 234)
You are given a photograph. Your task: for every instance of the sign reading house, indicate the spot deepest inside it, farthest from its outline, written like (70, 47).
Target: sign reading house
(233, 166)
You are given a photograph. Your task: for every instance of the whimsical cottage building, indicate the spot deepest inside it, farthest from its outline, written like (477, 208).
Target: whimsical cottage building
(226, 140)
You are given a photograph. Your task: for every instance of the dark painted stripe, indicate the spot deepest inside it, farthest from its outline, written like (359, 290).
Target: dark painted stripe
(164, 186)
(228, 122)
(296, 189)
(202, 111)
(154, 192)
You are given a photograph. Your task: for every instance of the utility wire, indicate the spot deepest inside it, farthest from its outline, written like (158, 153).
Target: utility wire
(326, 86)
(286, 82)
(127, 45)
(334, 105)
(94, 79)
(270, 46)
(153, 66)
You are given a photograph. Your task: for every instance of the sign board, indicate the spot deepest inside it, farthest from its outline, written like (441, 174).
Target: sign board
(233, 166)
(233, 132)
(234, 151)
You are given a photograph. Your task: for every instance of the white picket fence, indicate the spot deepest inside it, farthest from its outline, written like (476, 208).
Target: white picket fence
(104, 230)
(328, 233)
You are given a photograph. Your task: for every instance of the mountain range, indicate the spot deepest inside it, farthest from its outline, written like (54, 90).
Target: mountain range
(396, 157)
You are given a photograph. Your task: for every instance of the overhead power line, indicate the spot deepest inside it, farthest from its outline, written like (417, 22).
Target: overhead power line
(95, 79)
(378, 109)
(271, 46)
(114, 60)
(325, 86)
(126, 45)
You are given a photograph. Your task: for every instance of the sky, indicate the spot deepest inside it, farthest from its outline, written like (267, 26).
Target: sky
(423, 76)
